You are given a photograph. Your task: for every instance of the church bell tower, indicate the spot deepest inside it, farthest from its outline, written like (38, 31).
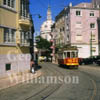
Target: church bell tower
(49, 17)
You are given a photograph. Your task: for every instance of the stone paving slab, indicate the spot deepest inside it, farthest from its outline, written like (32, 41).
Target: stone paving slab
(15, 79)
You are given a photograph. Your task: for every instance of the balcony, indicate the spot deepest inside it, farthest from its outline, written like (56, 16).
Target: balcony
(25, 43)
(24, 21)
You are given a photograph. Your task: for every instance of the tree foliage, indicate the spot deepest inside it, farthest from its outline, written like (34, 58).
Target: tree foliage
(43, 43)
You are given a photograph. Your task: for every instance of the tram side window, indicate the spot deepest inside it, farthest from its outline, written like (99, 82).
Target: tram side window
(68, 54)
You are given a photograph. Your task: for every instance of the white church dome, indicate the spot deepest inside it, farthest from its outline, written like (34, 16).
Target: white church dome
(46, 26)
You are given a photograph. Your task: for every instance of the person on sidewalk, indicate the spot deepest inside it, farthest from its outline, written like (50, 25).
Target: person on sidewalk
(32, 65)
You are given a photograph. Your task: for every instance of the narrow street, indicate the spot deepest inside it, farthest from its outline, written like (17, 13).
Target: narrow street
(87, 88)
(34, 33)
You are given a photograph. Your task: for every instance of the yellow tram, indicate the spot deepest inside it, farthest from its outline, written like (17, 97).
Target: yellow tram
(68, 56)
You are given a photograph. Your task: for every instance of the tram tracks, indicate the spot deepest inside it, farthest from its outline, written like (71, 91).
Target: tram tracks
(44, 91)
(50, 88)
(95, 89)
(94, 93)
(94, 83)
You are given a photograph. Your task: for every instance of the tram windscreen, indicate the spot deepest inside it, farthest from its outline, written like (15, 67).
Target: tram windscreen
(68, 54)
(73, 55)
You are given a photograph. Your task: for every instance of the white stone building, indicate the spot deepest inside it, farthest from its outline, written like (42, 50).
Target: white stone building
(45, 30)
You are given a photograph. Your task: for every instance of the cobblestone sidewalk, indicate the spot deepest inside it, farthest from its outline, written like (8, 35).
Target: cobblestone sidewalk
(15, 79)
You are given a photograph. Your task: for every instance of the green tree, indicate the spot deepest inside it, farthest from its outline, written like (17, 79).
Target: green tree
(43, 45)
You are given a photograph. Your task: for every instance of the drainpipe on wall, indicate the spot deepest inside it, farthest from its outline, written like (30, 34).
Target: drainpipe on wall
(91, 45)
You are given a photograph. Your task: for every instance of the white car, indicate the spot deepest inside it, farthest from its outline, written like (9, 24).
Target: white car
(42, 58)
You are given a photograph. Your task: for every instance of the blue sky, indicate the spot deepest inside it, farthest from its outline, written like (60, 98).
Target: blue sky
(40, 7)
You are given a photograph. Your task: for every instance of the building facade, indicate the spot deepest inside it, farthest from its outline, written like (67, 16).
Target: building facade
(61, 28)
(81, 28)
(96, 3)
(15, 33)
(45, 30)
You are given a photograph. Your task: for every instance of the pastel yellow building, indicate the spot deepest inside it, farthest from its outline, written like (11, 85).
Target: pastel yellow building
(15, 33)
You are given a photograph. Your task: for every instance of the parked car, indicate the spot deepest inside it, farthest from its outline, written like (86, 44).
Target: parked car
(42, 58)
(85, 61)
(91, 60)
(97, 61)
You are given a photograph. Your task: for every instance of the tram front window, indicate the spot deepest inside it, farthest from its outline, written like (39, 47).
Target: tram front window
(68, 54)
(73, 55)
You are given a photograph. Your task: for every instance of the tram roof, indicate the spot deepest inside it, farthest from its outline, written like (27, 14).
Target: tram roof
(69, 48)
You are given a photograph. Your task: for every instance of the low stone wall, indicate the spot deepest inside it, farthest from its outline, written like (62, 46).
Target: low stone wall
(18, 63)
